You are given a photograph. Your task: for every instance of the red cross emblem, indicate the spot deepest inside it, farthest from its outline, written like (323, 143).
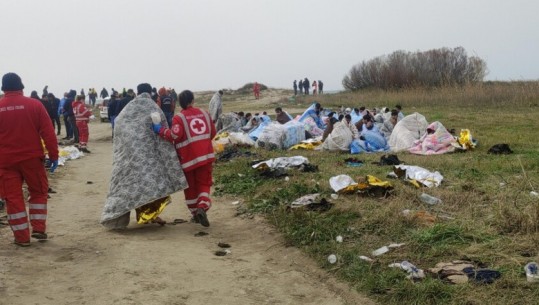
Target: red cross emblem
(197, 126)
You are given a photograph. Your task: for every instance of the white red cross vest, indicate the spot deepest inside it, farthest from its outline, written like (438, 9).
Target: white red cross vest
(195, 147)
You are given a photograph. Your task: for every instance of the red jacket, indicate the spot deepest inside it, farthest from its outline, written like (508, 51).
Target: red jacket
(81, 112)
(23, 123)
(191, 132)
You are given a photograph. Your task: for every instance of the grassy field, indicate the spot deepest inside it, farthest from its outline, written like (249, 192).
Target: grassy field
(487, 215)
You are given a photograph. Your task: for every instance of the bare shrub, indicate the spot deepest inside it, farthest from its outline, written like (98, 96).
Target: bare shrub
(401, 69)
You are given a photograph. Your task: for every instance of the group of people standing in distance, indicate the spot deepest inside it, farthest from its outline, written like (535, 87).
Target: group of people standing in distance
(304, 86)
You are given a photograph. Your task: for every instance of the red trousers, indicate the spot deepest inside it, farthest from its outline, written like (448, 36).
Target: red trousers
(31, 171)
(197, 195)
(84, 132)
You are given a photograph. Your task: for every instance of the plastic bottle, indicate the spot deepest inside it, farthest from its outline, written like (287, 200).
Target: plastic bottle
(532, 272)
(428, 199)
(332, 259)
(156, 118)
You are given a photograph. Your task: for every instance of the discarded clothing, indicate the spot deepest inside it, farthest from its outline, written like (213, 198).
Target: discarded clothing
(353, 162)
(389, 160)
(500, 149)
(482, 276)
(231, 152)
(452, 272)
(311, 203)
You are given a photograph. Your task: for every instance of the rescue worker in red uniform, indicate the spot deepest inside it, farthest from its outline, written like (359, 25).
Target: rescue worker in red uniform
(23, 123)
(82, 115)
(256, 90)
(192, 132)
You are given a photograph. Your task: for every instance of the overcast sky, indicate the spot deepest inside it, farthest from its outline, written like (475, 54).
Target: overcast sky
(213, 44)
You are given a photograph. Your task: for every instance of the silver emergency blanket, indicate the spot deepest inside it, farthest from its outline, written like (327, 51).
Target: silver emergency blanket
(230, 122)
(144, 166)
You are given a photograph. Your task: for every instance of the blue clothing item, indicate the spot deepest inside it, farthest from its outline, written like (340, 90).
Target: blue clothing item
(169, 116)
(61, 106)
(255, 133)
(356, 117)
(374, 140)
(311, 113)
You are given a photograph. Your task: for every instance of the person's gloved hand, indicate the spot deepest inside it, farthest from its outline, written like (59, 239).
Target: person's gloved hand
(54, 165)
(156, 128)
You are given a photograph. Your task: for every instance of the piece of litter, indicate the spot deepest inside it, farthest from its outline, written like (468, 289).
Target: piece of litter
(532, 272)
(380, 251)
(221, 253)
(286, 178)
(396, 245)
(339, 239)
(334, 196)
(366, 258)
(241, 175)
(332, 259)
(235, 202)
(534, 194)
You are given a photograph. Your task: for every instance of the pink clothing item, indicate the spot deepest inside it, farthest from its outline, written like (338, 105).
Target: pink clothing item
(440, 141)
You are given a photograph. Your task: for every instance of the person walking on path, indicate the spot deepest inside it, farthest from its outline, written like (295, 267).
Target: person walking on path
(24, 122)
(192, 132)
(300, 85)
(145, 168)
(295, 88)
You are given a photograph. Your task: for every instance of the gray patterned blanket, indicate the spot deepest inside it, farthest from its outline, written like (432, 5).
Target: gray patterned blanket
(144, 166)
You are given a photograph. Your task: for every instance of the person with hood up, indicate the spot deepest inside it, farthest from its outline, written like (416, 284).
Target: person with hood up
(145, 168)
(24, 123)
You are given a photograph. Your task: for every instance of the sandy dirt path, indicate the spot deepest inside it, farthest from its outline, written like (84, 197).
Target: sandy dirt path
(82, 263)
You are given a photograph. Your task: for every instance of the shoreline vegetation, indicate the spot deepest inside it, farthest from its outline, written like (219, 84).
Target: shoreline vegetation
(488, 214)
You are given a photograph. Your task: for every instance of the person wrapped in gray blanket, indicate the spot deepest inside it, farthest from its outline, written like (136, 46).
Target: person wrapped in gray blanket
(145, 168)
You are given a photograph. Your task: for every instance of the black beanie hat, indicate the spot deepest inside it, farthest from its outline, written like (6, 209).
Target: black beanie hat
(144, 88)
(72, 93)
(11, 82)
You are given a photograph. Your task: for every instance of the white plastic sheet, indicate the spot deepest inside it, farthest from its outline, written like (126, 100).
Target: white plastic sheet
(425, 177)
(340, 182)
